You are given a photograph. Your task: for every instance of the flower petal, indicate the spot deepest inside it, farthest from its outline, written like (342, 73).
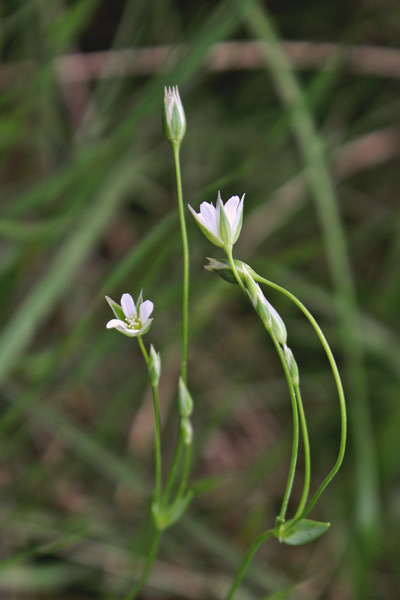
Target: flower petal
(145, 310)
(122, 327)
(210, 216)
(214, 239)
(237, 224)
(231, 208)
(128, 306)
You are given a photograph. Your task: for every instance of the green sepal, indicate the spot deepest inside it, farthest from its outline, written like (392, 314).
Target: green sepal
(117, 310)
(225, 230)
(154, 366)
(165, 516)
(301, 532)
(211, 238)
(185, 400)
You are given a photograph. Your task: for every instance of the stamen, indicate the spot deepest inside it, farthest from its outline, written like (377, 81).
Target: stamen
(133, 322)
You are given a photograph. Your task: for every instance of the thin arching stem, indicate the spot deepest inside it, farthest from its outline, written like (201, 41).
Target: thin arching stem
(339, 387)
(307, 455)
(245, 563)
(293, 400)
(295, 440)
(148, 566)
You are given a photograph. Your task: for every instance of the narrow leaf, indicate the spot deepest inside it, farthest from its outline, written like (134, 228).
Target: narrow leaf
(302, 532)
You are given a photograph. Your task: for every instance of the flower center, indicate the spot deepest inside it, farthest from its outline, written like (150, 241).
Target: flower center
(133, 322)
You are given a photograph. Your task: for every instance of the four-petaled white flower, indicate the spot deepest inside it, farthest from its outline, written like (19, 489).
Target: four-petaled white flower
(221, 224)
(132, 319)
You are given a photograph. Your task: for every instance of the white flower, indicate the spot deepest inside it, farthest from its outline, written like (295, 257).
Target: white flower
(221, 224)
(174, 120)
(132, 320)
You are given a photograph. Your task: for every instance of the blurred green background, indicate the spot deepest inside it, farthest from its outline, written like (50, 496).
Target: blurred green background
(89, 208)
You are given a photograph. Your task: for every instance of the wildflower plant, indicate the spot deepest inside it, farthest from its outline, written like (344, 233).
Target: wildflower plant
(222, 224)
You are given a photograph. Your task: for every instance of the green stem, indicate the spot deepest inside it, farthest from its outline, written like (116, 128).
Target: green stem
(293, 400)
(307, 456)
(186, 470)
(342, 401)
(148, 567)
(249, 555)
(174, 466)
(185, 318)
(295, 441)
(157, 436)
(234, 270)
(185, 249)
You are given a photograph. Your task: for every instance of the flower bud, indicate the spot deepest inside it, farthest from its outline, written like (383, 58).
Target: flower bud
(185, 400)
(154, 366)
(278, 326)
(292, 365)
(187, 430)
(174, 121)
(258, 300)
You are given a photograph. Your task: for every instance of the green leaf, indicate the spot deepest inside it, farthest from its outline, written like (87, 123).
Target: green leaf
(165, 516)
(302, 532)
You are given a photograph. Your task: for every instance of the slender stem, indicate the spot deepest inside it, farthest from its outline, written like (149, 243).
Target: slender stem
(307, 456)
(185, 317)
(234, 270)
(293, 400)
(174, 466)
(144, 351)
(157, 436)
(148, 566)
(186, 470)
(185, 249)
(339, 387)
(295, 441)
(249, 555)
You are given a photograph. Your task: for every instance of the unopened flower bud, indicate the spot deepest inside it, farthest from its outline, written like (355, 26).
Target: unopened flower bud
(185, 400)
(258, 300)
(187, 430)
(292, 365)
(154, 366)
(174, 121)
(278, 326)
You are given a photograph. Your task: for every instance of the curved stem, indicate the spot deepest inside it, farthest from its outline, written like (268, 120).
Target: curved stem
(307, 456)
(295, 441)
(293, 400)
(342, 401)
(245, 563)
(234, 270)
(148, 566)
(185, 249)
(157, 436)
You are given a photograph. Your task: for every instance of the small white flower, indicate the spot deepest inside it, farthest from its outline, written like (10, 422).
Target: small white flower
(174, 120)
(221, 224)
(132, 319)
